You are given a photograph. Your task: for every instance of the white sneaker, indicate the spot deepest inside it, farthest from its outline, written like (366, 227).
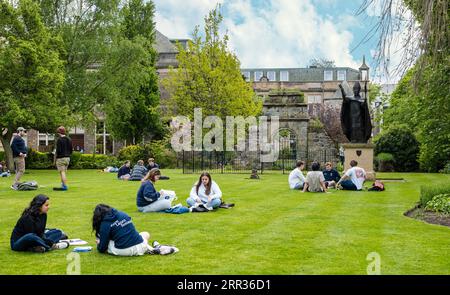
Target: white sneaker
(14, 187)
(60, 245)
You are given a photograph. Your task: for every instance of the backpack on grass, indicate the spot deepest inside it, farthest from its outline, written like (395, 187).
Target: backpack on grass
(27, 186)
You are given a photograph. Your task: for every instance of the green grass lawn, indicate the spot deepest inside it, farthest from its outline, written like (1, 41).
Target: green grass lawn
(271, 230)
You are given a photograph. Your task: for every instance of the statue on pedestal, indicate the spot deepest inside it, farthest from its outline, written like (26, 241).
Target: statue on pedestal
(355, 116)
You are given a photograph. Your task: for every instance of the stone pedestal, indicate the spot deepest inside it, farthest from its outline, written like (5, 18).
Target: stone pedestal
(361, 153)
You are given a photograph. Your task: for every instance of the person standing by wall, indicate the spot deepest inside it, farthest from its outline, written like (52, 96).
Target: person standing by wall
(19, 150)
(62, 156)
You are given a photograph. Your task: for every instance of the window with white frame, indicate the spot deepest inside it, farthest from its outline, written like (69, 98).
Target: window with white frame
(103, 139)
(46, 139)
(246, 75)
(284, 76)
(341, 75)
(258, 76)
(271, 76)
(314, 98)
(328, 75)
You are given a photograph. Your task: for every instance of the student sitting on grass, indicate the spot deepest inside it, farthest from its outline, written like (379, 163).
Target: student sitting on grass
(29, 234)
(4, 172)
(124, 172)
(205, 191)
(138, 172)
(296, 178)
(353, 178)
(116, 234)
(315, 182)
(148, 199)
(331, 175)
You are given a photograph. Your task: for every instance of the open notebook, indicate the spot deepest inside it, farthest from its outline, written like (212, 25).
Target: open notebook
(75, 242)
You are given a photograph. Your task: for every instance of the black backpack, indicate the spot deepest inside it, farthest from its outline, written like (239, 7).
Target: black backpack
(27, 186)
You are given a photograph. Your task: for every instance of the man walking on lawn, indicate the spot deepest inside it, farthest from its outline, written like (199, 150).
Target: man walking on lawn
(19, 150)
(62, 156)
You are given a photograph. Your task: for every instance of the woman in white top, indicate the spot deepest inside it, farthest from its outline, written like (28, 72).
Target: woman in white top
(205, 192)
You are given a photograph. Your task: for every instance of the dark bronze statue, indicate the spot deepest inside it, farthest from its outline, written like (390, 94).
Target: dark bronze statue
(355, 116)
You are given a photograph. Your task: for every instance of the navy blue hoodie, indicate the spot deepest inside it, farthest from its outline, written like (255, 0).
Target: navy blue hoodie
(117, 226)
(146, 194)
(18, 146)
(331, 175)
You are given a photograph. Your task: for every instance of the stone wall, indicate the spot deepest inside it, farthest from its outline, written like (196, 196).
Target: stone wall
(321, 147)
(89, 140)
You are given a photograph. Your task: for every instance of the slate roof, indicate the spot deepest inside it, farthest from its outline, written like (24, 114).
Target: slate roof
(163, 44)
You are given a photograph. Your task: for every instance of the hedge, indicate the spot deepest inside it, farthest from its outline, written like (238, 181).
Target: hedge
(428, 192)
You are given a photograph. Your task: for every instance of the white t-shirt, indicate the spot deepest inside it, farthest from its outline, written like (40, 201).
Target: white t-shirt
(215, 193)
(295, 177)
(357, 176)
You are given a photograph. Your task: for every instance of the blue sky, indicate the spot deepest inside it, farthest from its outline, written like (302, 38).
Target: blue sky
(279, 33)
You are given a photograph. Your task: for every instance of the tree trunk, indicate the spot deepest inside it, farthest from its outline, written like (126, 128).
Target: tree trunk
(6, 142)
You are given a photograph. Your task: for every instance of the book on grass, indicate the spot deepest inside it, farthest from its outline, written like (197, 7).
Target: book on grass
(75, 242)
(82, 249)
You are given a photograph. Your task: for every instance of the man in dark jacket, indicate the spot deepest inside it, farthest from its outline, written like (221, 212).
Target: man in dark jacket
(62, 156)
(331, 175)
(19, 150)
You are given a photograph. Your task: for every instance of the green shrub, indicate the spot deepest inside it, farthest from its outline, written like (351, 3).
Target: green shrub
(402, 144)
(158, 149)
(439, 203)
(385, 157)
(384, 162)
(38, 160)
(93, 161)
(315, 125)
(446, 169)
(132, 153)
(162, 152)
(2, 156)
(74, 159)
(428, 192)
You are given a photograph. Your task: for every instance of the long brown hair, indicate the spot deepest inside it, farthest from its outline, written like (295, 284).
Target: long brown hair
(208, 186)
(151, 174)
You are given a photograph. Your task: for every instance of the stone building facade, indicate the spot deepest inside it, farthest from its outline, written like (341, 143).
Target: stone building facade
(321, 102)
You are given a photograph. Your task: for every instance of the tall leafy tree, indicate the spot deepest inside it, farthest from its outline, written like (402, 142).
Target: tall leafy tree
(109, 63)
(209, 76)
(87, 28)
(31, 71)
(425, 108)
(136, 112)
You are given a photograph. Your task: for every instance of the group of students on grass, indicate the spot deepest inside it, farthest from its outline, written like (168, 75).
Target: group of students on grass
(319, 181)
(138, 172)
(114, 229)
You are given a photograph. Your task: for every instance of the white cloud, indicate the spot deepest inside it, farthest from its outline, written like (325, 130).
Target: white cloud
(276, 33)
(177, 18)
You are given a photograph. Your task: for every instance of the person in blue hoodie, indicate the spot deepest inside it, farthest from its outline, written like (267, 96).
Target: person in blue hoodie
(116, 234)
(331, 175)
(148, 199)
(124, 172)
